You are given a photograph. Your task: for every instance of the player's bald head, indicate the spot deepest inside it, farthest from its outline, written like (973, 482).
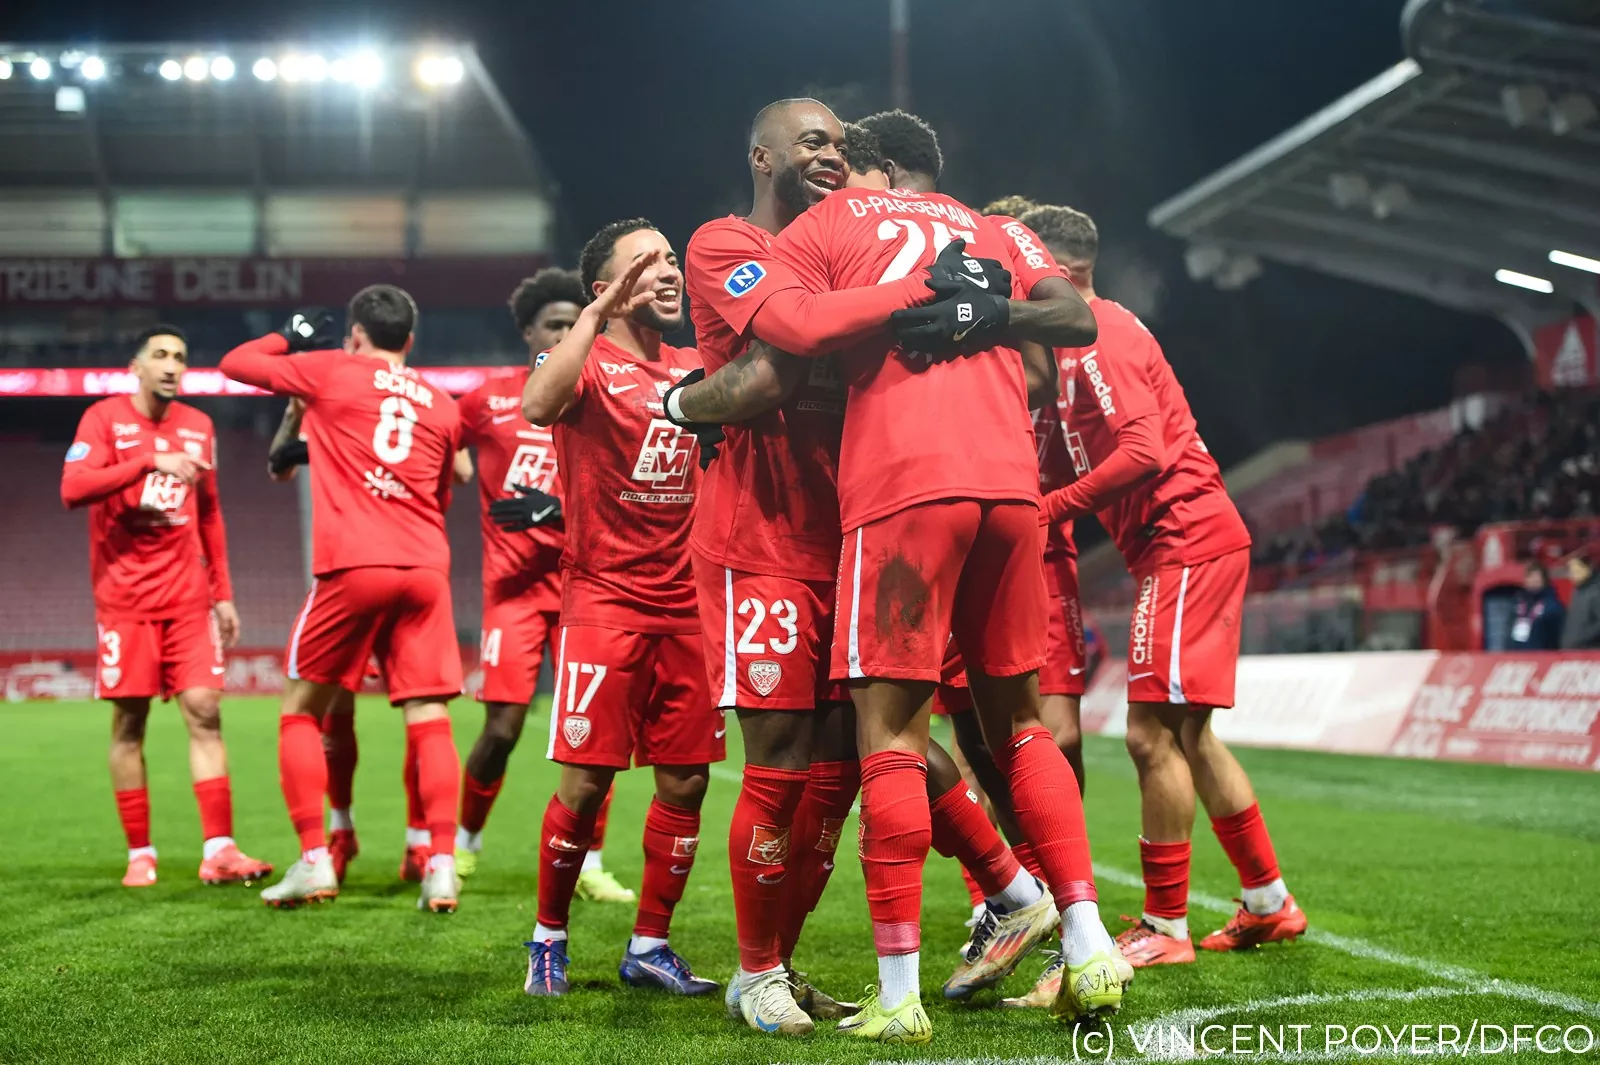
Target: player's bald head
(781, 121)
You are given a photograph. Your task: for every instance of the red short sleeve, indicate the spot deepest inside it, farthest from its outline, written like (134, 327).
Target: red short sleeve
(1031, 261)
(803, 248)
(470, 405)
(1117, 373)
(734, 270)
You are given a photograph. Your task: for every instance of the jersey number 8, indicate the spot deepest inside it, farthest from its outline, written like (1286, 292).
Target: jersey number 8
(391, 441)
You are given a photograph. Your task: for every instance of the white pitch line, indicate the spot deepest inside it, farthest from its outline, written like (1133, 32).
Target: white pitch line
(1361, 948)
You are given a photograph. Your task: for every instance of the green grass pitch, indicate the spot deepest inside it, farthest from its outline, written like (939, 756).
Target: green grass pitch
(1438, 895)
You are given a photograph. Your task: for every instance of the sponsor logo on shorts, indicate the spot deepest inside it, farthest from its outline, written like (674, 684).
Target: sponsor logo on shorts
(769, 845)
(575, 730)
(110, 676)
(764, 675)
(1141, 635)
(685, 846)
(832, 828)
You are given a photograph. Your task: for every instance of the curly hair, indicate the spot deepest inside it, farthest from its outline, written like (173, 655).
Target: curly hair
(1071, 234)
(862, 149)
(598, 251)
(550, 285)
(1011, 206)
(907, 140)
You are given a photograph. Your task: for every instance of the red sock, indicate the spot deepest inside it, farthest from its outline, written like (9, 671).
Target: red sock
(339, 748)
(831, 789)
(759, 858)
(303, 775)
(1049, 809)
(1244, 836)
(438, 781)
(896, 832)
(215, 797)
(671, 837)
(1166, 878)
(974, 892)
(133, 807)
(408, 776)
(564, 838)
(1024, 855)
(961, 830)
(477, 798)
(598, 840)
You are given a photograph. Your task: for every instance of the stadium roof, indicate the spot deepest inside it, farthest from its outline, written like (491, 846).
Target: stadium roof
(1477, 155)
(424, 118)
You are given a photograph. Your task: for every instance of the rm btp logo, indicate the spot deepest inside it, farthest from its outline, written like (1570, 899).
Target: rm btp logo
(666, 459)
(534, 465)
(164, 492)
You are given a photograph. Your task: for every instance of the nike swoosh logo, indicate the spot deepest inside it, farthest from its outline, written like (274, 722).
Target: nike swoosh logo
(721, 732)
(502, 419)
(218, 670)
(617, 390)
(539, 516)
(980, 282)
(123, 445)
(959, 337)
(1075, 670)
(762, 879)
(681, 870)
(1139, 676)
(828, 866)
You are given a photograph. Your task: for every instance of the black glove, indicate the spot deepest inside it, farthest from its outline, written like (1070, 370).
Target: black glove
(963, 320)
(311, 329)
(285, 458)
(983, 275)
(708, 436)
(528, 509)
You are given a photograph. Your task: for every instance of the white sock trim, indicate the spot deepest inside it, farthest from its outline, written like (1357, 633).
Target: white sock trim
(541, 933)
(1268, 898)
(1023, 890)
(592, 863)
(418, 837)
(214, 846)
(314, 855)
(1176, 927)
(897, 978)
(644, 944)
(340, 820)
(1083, 934)
(141, 852)
(469, 841)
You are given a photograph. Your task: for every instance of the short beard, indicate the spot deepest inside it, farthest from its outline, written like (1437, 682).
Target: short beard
(789, 187)
(651, 318)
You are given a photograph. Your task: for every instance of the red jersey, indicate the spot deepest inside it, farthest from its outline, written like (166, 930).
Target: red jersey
(770, 503)
(1183, 515)
(157, 546)
(513, 451)
(631, 479)
(382, 443)
(1029, 259)
(1055, 471)
(915, 430)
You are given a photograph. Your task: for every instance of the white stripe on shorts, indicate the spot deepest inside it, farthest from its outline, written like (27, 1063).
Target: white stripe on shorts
(299, 626)
(855, 613)
(555, 703)
(1174, 677)
(730, 658)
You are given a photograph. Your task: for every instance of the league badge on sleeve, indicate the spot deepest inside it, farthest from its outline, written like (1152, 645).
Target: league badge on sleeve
(78, 451)
(744, 278)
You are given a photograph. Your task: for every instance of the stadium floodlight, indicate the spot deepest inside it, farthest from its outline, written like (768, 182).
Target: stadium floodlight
(313, 67)
(1577, 262)
(39, 68)
(195, 68)
(5, 70)
(93, 68)
(264, 69)
(435, 70)
(222, 68)
(70, 100)
(1527, 281)
(366, 69)
(170, 69)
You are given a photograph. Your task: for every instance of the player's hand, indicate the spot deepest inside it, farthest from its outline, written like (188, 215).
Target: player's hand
(962, 321)
(954, 264)
(311, 329)
(285, 458)
(706, 435)
(180, 464)
(528, 509)
(619, 299)
(227, 623)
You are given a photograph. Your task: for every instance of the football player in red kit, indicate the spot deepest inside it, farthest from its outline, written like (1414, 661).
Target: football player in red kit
(630, 679)
(1143, 469)
(383, 443)
(144, 465)
(520, 497)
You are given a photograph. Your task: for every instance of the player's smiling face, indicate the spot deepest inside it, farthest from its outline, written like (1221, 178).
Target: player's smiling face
(160, 364)
(810, 164)
(664, 279)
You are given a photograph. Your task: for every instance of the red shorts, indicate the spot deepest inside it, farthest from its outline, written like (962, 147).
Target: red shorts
(1066, 660)
(766, 639)
(1183, 644)
(511, 650)
(622, 695)
(908, 581)
(952, 696)
(401, 615)
(141, 659)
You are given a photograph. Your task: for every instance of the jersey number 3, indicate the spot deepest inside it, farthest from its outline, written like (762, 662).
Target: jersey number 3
(391, 441)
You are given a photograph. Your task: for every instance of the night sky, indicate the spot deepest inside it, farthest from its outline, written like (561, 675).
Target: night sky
(640, 108)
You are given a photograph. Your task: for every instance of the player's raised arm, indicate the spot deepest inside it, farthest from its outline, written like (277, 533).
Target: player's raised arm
(305, 338)
(553, 385)
(89, 475)
(1053, 315)
(754, 383)
(287, 450)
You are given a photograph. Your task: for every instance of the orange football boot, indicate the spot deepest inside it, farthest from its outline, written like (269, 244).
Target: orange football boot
(141, 871)
(1142, 945)
(230, 865)
(1245, 929)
